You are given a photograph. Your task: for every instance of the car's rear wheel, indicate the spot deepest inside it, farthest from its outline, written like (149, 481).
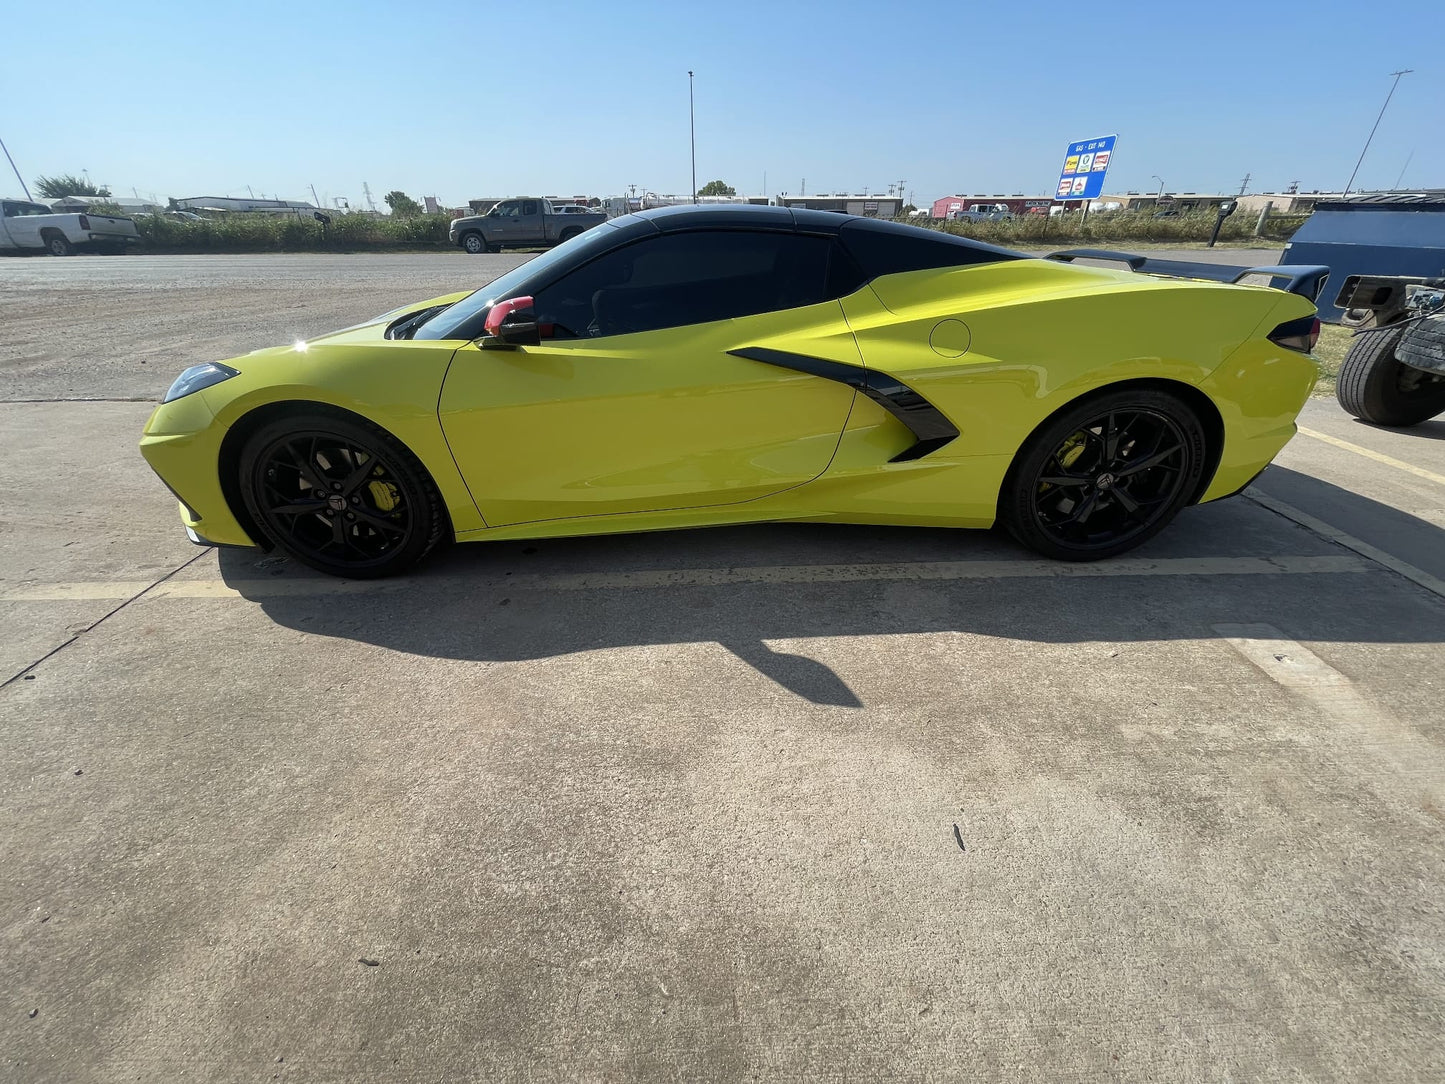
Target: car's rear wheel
(57, 245)
(475, 243)
(1104, 476)
(569, 233)
(343, 497)
(1375, 387)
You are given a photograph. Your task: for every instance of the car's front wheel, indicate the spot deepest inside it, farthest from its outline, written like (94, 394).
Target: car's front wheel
(1105, 475)
(475, 243)
(342, 496)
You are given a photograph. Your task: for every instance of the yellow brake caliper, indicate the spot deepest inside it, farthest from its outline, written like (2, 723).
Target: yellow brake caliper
(384, 494)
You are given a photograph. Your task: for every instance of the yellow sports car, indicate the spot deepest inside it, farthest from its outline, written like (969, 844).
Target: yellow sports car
(693, 366)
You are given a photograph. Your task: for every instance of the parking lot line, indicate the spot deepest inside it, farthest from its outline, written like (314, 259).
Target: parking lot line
(698, 577)
(1419, 576)
(1295, 667)
(1378, 457)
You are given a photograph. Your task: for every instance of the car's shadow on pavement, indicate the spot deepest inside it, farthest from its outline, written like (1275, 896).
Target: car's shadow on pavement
(509, 601)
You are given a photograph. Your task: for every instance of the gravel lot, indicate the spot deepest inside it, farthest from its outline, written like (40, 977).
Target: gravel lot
(774, 803)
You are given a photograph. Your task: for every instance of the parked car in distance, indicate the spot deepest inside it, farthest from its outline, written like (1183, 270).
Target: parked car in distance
(522, 222)
(983, 212)
(28, 226)
(572, 209)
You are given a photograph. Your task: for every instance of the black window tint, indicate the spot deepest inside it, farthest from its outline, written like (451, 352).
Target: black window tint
(844, 274)
(687, 278)
(529, 207)
(886, 248)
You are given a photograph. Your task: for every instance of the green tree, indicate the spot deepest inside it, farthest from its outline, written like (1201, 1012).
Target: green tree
(67, 184)
(402, 205)
(717, 188)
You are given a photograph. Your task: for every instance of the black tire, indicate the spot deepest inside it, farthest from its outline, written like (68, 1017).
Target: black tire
(57, 245)
(1104, 475)
(475, 243)
(567, 234)
(319, 486)
(1375, 387)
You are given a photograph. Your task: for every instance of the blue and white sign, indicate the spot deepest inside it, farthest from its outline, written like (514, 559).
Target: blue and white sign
(1085, 164)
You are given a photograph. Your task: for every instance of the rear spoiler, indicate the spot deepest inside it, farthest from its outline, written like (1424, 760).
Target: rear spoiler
(1307, 280)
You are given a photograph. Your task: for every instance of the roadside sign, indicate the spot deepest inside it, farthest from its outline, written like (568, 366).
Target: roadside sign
(1085, 165)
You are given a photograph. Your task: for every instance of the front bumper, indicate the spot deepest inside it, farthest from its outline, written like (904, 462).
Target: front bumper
(182, 444)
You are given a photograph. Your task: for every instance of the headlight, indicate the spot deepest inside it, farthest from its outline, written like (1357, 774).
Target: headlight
(197, 377)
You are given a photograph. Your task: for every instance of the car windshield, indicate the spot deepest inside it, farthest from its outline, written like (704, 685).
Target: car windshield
(530, 277)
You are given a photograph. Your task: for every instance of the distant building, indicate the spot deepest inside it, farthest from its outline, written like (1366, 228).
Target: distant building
(1018, 203)
(230, 203)
(865, 205)
(125, 203)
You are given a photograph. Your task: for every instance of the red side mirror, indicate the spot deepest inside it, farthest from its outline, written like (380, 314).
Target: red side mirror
(516, 313)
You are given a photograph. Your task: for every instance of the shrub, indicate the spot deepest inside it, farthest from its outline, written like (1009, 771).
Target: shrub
(1116, 226)
(243, 232)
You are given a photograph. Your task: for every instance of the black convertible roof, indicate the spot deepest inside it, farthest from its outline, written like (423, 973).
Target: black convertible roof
(886, 246)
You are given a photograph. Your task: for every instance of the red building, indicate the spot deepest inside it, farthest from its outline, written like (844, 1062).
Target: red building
(1018, 203)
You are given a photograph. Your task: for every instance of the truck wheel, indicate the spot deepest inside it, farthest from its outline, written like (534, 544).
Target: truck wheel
(1375, 387)
(475, 243)
(569, 233)
(57, 245)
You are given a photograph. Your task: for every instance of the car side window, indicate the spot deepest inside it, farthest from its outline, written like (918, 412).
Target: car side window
(696, 277)
(529, 207)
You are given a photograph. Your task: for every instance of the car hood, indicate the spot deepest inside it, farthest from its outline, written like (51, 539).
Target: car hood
(371, 330)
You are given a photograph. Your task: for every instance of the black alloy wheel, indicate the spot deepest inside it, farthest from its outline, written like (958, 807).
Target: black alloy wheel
(343, 497)
(1105, 476)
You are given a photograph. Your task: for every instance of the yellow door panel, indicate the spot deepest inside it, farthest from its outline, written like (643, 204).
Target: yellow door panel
(646, 421)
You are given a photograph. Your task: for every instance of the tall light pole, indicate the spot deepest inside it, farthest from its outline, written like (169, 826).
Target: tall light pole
(15, 168)
(692, 135)
(1156, 177)
(1396, 83)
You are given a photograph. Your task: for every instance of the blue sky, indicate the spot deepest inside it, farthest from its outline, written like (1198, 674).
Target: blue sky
(467, 100)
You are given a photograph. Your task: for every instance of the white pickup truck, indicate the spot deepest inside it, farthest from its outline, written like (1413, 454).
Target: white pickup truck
(25, 225)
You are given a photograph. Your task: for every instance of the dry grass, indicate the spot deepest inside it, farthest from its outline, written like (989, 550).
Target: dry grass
(1330, 351)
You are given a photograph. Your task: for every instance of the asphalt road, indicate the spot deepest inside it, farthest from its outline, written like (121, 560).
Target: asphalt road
(777, 802)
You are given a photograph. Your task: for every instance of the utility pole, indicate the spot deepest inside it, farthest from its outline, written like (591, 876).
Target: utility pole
(315, 198)
(692, 135)
(366, 191)
(1350, 183)
(17, 171)
(803, 189)
(1244, 183)
(1406, 166)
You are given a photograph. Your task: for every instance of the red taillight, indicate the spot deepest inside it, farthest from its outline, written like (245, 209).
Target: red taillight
(1301, 334)
(84, 223)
